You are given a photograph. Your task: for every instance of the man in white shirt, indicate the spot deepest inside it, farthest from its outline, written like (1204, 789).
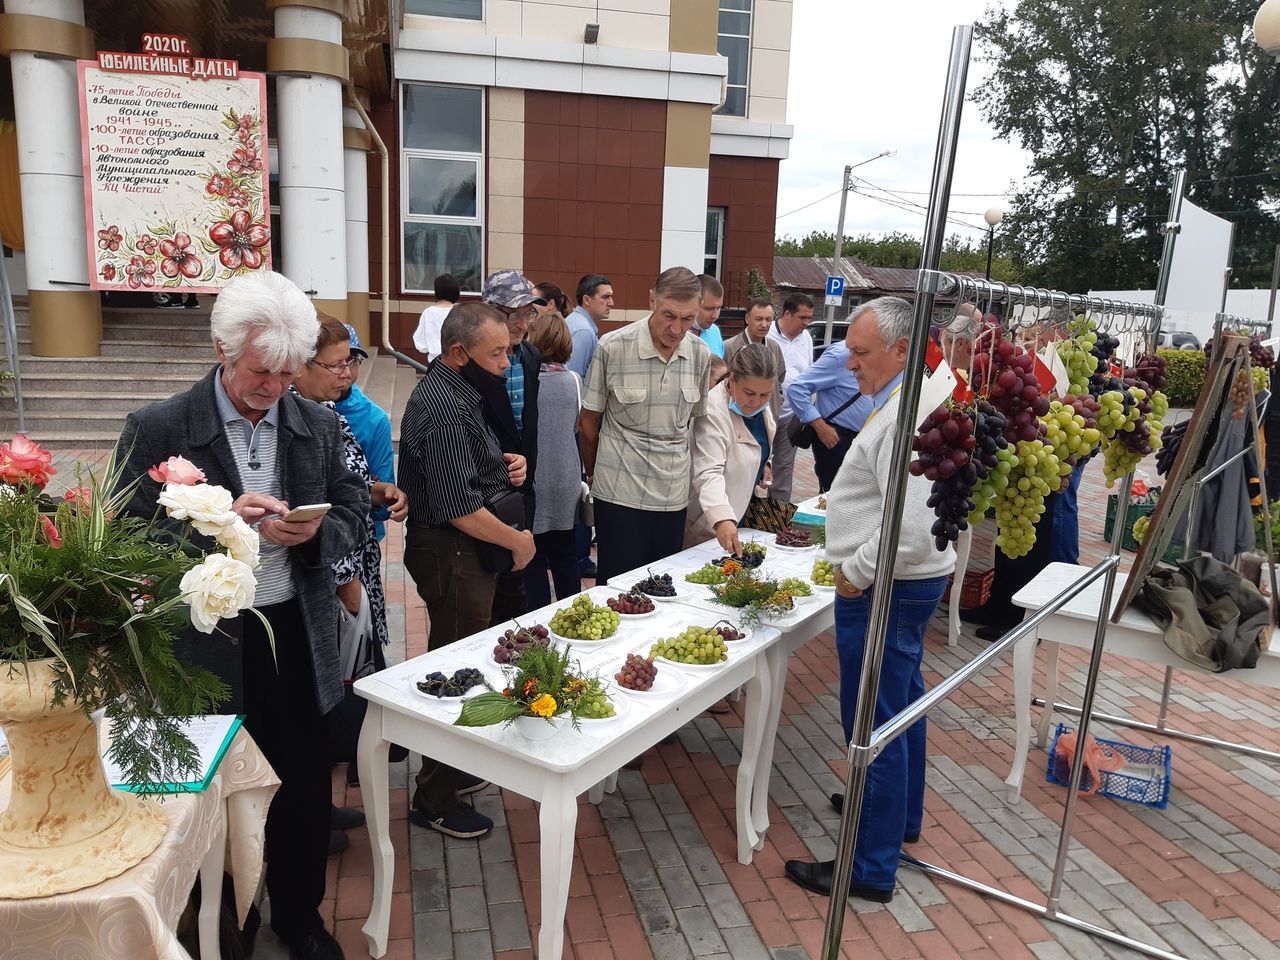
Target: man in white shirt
(791, 333)
(427, 336)
(893, 804)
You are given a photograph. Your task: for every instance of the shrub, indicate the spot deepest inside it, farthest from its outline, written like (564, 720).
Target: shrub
(1185, 372)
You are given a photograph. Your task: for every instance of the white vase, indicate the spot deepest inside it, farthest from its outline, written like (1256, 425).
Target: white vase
(536, 728)
(64, 828)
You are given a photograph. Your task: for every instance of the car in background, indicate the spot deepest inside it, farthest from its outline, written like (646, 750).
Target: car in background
(1178, 340)
(818, 330)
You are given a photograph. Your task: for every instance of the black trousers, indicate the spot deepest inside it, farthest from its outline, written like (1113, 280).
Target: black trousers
(509, 600)
(627, 539)
(826, 463)
(557, 552)
(284, 720)
(1014, 574)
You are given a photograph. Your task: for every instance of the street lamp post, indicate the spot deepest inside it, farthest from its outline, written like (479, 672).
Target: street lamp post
(846, 184)
(993, 216)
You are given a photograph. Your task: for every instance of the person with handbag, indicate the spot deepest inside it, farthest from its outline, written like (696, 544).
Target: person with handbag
(558, 486)
(729, 449)
(466, 518)
(829, 411)
(791, 333)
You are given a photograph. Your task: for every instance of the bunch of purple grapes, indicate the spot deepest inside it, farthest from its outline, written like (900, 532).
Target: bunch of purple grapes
(1104, 349)
(943, 444)
(1004, 374)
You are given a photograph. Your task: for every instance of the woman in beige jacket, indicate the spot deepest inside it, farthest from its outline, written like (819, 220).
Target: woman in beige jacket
(730, 449)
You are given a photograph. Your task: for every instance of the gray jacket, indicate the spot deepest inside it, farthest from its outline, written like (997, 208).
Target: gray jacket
(309, 455)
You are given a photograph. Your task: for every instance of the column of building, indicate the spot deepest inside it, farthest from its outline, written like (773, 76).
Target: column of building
(356, 144)
(43, 39)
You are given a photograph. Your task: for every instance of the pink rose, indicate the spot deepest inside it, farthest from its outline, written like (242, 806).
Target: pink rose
(50, 531)
(177, 470)
(22, 461)
(81, 497)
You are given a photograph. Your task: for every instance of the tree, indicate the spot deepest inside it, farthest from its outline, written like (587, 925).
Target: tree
(902, 250)
(1111, 98)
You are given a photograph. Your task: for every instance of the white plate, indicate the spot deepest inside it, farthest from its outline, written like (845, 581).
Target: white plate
(682, 590)
(746, 632)
(450, 704)
(778, 546)
(621, 707)
(565, 641)
(637, 616)
(822, 586)
(667, 683)
(490, 662)
(697, 667)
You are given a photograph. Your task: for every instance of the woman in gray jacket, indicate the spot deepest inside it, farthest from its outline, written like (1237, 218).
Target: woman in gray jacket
(558, 483)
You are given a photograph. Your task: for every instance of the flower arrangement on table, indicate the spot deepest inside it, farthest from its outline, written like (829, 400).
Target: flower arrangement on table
(757, 596)
(542, 682)
(102, 594)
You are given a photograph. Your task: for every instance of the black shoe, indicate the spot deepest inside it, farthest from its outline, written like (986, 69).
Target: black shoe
(345, 818)
(471, 784)
(588, 570)
(463, 821)
(316, 946)
(337, 842)
(816, 877)
(976, 615)
(837, 804)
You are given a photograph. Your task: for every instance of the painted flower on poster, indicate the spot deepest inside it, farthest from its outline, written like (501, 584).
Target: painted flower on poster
(240, 241)
(178, 257)
(110, 239)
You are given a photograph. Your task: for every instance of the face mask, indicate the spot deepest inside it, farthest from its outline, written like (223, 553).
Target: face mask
(737, 408)
(479, 377)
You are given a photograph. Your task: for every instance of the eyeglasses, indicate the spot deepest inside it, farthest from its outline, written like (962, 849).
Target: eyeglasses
(517, 314)
(338, 369)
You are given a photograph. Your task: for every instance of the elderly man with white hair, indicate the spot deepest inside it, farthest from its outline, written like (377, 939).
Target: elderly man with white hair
(893, 805)
(272, 449)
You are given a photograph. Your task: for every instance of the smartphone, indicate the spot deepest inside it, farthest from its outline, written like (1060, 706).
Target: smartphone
(312, 511)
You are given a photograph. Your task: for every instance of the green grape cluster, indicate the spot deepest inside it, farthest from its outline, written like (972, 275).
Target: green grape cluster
(594, 703)
(1077, 355)
(708, 573)
(583, 620)
(1035, 475)
(823, 573)
(796, 587)
(695, 645)
(992, 485)
(1140, 528)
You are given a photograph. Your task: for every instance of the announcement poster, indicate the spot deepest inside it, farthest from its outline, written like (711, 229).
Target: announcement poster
(175, 170)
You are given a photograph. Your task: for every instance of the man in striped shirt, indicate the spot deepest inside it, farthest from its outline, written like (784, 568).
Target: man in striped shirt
(459, 482)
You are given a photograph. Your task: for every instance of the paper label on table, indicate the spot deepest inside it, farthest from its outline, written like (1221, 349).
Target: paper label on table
(934, 391)
(211, 736)
(1057, 370)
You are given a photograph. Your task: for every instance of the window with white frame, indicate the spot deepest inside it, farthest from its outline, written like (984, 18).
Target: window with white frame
(455, 9)
(713, 255)
(734, 44)
(441, 185)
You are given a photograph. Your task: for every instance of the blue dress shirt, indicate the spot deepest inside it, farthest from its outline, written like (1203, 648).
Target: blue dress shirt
(832, 383)
(585, 335)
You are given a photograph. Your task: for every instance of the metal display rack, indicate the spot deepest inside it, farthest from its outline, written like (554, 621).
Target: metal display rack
(867, 741)
(1231, 321)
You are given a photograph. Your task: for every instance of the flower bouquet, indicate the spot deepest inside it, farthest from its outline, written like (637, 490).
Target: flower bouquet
(543, 685)
(758, 597)
(98, 596)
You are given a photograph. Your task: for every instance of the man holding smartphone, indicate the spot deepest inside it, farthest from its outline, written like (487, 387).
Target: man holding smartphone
(466, 518)
(272, 449)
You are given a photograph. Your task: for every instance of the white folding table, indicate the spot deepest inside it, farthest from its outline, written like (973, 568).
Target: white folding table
(1135, 636)
(555, 772)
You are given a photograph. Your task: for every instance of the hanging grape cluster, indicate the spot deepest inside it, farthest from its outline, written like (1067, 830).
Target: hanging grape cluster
(1004, 373)
(1076, 353)
(944, 445)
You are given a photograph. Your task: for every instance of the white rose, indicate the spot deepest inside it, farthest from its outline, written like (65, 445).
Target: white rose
(241, 541)
(208, 507)
(219, 588)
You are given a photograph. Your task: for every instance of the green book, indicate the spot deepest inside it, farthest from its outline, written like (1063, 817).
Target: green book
(212, 735)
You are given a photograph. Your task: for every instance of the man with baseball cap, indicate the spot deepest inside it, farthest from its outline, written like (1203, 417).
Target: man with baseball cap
(511, 408)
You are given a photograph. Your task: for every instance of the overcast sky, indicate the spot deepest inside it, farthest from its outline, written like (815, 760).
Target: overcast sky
(881, 68)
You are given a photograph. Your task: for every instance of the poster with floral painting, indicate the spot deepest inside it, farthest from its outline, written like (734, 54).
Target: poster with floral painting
(175, 179)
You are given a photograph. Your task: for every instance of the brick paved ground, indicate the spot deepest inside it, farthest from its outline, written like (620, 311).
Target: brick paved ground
(656, 875)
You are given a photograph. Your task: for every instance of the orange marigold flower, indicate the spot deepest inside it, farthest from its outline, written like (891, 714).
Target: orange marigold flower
(731, 567)
(530, 685)
(544, 706)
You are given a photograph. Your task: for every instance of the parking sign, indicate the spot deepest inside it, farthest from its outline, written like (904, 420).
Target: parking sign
(835, 291)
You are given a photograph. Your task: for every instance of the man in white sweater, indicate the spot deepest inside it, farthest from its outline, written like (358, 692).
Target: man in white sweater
(893, 803)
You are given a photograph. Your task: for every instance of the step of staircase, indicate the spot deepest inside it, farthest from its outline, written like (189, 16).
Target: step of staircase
(131, 367)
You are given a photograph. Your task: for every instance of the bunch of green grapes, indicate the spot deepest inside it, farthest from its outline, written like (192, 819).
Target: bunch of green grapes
(1116, 409)
(796, 587)
(695, 645)
(1140, 528)
(823, 573)
(1261, 379)
(991, 486)
(708, 573)
(1077, 354)
(593, 702)
(583, 620)
(1036, 474)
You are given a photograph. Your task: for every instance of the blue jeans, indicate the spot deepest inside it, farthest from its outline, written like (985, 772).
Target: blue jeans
(1066, 522)
(893, 802)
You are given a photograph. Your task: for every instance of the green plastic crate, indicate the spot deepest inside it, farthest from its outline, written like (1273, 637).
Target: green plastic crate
(1172, 553)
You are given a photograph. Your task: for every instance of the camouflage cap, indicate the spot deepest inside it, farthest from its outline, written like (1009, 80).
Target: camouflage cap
(509, 288)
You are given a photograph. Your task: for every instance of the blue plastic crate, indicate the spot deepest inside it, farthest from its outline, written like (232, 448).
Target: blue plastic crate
(1148, 785)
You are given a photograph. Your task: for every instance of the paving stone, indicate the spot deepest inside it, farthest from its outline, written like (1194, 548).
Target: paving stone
(638, 870)
(432, 936)
(430, 890)
(700, 931)
(1258, 946)
(663, 849)
(463, 864)
(703, 865)
(679, 887)
(426, 849)
(646, 815)
(468, 909)
(501, 883)
(692, 740)
(684, 827)
(726, 908)
(908, 913)
(744, 944)
(474, 945)
(496, 846)
(508, 926)
(654, 911)
(1182, 942)
(623, 834)
(669, 946)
